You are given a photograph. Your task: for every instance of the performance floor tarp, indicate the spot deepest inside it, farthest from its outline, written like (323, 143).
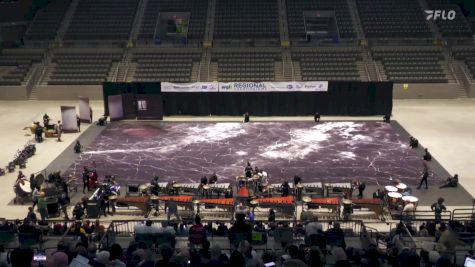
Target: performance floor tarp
(329, 152)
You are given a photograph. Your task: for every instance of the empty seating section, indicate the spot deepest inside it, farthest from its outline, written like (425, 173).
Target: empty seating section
(197, 23)
(240, 66)
(82, 68)
(16, 64)
(466, 54)
(393, 19)
(295, 20)
(328, 64)
(47, 21)
(246, 19)
(412, 64)
(457, 27)
(165, 66)
(102, 20)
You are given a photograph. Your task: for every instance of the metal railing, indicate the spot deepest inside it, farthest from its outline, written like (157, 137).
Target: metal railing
(463, 214)
(422, 215)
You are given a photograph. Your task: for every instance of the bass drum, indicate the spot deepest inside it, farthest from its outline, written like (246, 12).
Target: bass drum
(40, 178)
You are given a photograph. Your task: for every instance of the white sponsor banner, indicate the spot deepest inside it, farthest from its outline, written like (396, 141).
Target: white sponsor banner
(316, 86)
(190, 87)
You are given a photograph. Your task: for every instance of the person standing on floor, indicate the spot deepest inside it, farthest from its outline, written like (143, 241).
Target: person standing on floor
(42, 206)
(78, 121)
(425, 175)
(438, 207)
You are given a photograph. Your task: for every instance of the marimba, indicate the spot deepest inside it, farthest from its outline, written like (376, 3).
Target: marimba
(373, 204)
(215, 208)
(284, 206)
(141, 202)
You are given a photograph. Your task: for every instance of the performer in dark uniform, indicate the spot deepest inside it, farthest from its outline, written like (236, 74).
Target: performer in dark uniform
(213, 179)
(285, 189)
(248, 170)
(425, 175)
(297, 180)
(155, 189)
(85, 180)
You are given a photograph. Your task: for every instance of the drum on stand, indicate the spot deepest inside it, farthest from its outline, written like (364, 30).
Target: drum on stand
(25, 187)
(394, 198)
(410, 199)
(40, 178)
(390, 188)
(401, 187)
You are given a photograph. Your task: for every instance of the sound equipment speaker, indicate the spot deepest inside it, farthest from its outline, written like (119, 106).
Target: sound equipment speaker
(52, 208)
(93, 209)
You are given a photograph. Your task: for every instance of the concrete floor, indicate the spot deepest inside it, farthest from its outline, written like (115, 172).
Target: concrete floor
(446, 127)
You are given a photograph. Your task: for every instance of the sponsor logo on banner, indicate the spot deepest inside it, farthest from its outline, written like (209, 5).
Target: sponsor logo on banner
(189, 87)
(273, 86)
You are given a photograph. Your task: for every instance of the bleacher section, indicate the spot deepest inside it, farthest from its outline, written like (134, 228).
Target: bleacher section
(47, 21)
(257, 65)
(393, 19)
(160, 65)
(197, 23)
(458, 27)
(82, 66)
(16, 65)
(102, 20)
(411, 64)
(295, 9)
(246, 19)
(328, 64)
(467, 55)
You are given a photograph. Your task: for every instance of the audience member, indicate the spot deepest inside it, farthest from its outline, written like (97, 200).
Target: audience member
(197, 232)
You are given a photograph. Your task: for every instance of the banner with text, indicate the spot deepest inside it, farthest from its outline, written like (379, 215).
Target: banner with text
(317, 86)
(190, 87)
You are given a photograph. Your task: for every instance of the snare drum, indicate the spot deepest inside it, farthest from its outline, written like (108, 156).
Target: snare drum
(401, 187)
(410, 199)
(394, 198)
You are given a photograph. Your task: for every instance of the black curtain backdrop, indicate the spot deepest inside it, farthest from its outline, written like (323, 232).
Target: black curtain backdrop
(342, 98)
(112, 88)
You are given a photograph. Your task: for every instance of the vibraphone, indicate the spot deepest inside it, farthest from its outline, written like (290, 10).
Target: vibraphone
(187, 188)
(283, 206)
(313, 189)
(216, 208)
(140, 202)
(220, 189)
(338, 189)
(275, 189)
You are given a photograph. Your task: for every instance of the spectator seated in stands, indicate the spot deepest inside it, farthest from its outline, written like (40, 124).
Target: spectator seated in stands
(21, 257)
(197, 232)
(28, 230)
(427, 155)
(448, 240)
(335, 236)
(451, 182)
(413, 142)
(241, 230)
(147, 228)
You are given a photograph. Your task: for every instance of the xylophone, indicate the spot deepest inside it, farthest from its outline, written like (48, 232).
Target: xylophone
(141, 202)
